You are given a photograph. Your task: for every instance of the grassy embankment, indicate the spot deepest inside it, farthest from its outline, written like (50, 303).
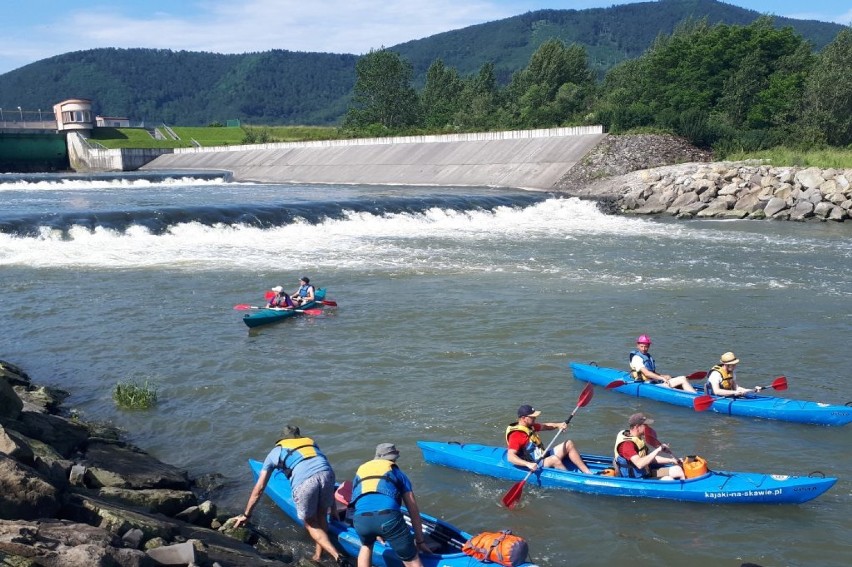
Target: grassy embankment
(210, 136)
(228, 136)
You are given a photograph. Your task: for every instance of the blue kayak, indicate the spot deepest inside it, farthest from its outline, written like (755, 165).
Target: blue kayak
(269, 315)
(444, 539)
(717, 487)
(750, 405)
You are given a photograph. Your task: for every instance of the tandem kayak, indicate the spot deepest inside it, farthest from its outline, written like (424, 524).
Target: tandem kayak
(719, 487)
(272, 314)
(445, 539)
(750, 405)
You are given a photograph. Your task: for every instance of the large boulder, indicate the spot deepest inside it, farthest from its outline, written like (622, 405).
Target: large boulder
(115, 465)
(60, 543)
(10, 404)
(63, 435)
(24, 493)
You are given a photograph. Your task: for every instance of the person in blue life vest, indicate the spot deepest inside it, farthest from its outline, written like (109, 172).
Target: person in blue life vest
(305, 293)
(525, 448)
(722, 378)
(280, 299)
(643, 368)
(633, 457)
(312, 482)
(378, 491)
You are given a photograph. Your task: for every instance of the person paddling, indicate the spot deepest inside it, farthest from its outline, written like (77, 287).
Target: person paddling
(643, 368)
(281, 299)
(633, 459)
(722, 379)
(525, 448)
(305, 293)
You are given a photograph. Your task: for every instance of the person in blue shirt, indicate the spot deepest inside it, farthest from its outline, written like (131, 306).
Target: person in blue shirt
(378, 491)
(643, 368)
(305, 293)
(312, 482)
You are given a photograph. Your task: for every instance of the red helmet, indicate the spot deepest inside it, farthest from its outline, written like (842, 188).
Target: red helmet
(643, 340)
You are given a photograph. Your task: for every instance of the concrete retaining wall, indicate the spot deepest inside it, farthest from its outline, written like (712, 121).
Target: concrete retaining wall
(534, 159)
(83, 157)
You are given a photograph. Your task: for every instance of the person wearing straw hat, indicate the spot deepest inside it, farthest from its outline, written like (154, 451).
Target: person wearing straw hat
(312, 483)
(643, 368)
(378, 492)
(633, 459)
(525, 448)
(722, 379)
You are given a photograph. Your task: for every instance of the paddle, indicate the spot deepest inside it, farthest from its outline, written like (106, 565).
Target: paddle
(247, 307)
(702, 403)
(618, 383)
(512, 497)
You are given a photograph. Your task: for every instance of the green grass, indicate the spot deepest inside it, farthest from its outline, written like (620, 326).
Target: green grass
(133, 394)
(837, 158)
(115, 138)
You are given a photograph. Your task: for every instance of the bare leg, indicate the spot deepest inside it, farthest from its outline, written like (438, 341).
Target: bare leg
(681, 382)
(568, 449)
(317, 529)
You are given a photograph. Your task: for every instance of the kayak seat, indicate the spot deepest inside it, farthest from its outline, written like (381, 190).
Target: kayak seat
(342, 496)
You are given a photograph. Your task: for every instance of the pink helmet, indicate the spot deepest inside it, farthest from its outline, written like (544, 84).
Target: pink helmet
(643, 340)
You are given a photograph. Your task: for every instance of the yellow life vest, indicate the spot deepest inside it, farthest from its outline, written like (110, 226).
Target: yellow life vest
(533, 449)
(727, 382)
(293, 452)
(622, 465)
(373, 476)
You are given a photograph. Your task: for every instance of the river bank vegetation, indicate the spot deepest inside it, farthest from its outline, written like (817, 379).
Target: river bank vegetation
(744, 91)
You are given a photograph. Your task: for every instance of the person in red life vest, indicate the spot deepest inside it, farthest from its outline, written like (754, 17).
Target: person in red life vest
(305, 293)
(312, 481)
(643, 368)
(280, 299)
(526, 449)
(378, 492)
(633, 459)
(722, 379)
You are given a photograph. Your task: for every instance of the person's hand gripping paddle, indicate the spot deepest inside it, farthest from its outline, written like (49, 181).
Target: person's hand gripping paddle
(703, 403)
(511, 498)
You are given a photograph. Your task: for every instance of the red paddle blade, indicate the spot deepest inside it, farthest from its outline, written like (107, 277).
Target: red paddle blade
(511, 499)
(329, 303)
(311, 311)
(269, 294)
(615, 384)
(242, 307)
(586, 395)
(702, 403)
(700, 375)
(779, 383)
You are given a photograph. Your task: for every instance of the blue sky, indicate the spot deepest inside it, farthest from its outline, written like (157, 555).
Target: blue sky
(36, 29)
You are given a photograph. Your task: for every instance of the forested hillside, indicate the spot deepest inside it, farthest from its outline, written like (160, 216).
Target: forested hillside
(282, 87)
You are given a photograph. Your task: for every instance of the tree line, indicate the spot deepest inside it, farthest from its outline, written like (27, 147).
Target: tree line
(726, 87)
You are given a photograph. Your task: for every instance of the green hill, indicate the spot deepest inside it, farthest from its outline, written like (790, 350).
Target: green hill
(281, 87)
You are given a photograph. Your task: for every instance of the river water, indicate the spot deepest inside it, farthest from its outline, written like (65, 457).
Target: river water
(456, 305)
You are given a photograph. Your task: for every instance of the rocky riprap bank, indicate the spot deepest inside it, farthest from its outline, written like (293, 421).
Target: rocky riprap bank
(628, 174)
(73, 494)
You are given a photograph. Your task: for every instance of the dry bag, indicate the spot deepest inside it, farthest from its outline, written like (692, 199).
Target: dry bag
(503, 548)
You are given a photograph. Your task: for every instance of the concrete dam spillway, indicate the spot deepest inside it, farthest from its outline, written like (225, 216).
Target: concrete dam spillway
(528, 159)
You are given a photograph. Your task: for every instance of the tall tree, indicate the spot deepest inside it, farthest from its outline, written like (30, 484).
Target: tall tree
(481, 98)
(554, 86)
(383, 94)
(828, 94)
(441, 96)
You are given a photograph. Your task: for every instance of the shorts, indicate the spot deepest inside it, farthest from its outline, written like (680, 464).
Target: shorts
(315, 495)
(391, 526)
